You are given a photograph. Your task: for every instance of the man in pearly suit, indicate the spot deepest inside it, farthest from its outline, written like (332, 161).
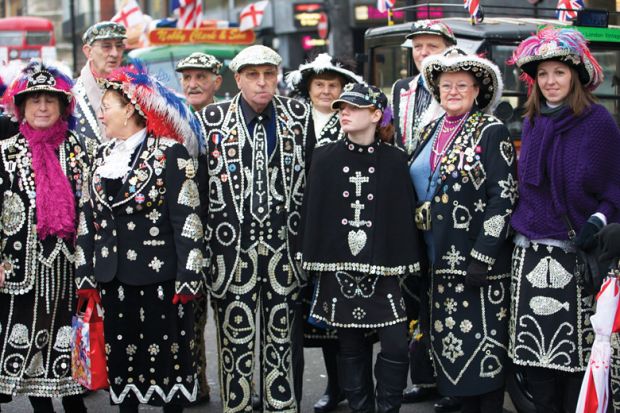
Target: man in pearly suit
(257, 149)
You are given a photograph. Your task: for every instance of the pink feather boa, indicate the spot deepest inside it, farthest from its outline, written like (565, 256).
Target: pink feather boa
(54, 197)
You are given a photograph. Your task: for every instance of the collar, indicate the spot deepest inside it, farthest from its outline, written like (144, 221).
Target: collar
(354, 147)
(117, 163)
(249, 114)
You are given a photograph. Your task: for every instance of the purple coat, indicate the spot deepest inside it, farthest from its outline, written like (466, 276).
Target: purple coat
(568, 164)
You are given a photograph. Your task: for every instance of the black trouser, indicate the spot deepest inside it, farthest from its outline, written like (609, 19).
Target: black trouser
(71, 404)
(553, 390)
(393, 341)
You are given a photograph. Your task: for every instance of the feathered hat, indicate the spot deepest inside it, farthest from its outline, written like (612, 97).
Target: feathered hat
(298, 79)
(166, 115)
(35, 77)
(454, 59)
(564, 45)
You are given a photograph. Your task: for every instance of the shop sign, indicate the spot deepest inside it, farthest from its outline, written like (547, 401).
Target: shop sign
(307, 15)
(201, 35)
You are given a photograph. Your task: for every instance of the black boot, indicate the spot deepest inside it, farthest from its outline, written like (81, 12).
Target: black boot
(545, 395)
(41, 404)
(333, 394)
(356, 383)
(391, 378)
(74, 404)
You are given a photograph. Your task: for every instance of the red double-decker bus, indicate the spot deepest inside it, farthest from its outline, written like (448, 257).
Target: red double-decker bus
(24, 38)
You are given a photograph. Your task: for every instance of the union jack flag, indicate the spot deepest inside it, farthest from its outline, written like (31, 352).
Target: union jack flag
(189, 13)
(473, 8)
(567, 9)
(384, 5)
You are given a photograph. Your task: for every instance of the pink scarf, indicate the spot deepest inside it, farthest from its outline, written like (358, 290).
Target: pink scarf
(54, 196)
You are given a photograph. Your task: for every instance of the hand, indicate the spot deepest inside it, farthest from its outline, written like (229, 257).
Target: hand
(609, 240)
(477, 274)
(89, 294)
(585, 240)
(2, 276)
(183, 298)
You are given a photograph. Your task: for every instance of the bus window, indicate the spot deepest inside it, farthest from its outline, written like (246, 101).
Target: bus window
(608, 90)
(389, 65)
(38, 38)
(11, 38)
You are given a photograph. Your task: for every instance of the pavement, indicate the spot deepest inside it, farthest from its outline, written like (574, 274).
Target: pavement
(314, 385)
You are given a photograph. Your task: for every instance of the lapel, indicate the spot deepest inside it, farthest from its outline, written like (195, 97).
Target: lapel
(140, 175)
(233, 139)
(426, 136)
(326, 133)
(14, 152)
(96, 183)
(286, 138)
(86, 109)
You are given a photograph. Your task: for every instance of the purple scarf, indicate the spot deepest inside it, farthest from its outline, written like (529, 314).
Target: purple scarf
(544, 152)
(54, 196)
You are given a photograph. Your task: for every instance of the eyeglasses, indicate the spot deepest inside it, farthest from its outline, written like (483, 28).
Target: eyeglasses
(460, 87)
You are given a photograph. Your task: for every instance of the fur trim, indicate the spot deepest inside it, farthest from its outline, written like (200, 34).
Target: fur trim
(298, 79)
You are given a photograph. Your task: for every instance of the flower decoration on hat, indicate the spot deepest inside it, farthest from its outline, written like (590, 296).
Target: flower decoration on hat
(298, 80)
(564, 45)
(255, 55)
(486, 74)
(39, 77)
(432, 27)
(199, 60)
(165, 113)
(104, 30)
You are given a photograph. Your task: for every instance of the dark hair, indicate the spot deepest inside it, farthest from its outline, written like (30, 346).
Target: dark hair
(63, 103)
(140, 121)
(385, 133)
(578, 99)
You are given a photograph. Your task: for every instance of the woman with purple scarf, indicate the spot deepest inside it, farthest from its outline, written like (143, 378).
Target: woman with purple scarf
(568, 181)
(42, 171)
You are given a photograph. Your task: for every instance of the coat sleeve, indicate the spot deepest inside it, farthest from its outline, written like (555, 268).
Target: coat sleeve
(183, 202)
(500, 187)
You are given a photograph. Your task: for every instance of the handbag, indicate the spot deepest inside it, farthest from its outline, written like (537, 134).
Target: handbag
(88, 360)
(589, 271)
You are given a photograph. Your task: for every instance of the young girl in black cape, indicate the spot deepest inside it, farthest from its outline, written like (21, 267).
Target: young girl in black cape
(359, 235)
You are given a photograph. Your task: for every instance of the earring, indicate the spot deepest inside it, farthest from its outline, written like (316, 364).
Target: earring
(125, 123)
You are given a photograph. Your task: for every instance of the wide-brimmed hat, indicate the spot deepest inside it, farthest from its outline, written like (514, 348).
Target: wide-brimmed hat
(454, 59)
(432, 27)
(198, 60)
(103, 31)
(362, 95)
(255, 55)
(564, 45)
(298, 79)
(165, 113)
(36, 77)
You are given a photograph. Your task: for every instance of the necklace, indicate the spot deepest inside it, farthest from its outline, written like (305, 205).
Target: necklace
(453, 131)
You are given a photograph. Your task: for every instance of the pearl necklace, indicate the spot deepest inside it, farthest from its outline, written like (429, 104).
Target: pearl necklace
(453, 131)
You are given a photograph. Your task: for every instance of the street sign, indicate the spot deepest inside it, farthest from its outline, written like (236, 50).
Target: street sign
(323, 26)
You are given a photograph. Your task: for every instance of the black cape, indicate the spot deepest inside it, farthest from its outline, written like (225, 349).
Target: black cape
(383, 239)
